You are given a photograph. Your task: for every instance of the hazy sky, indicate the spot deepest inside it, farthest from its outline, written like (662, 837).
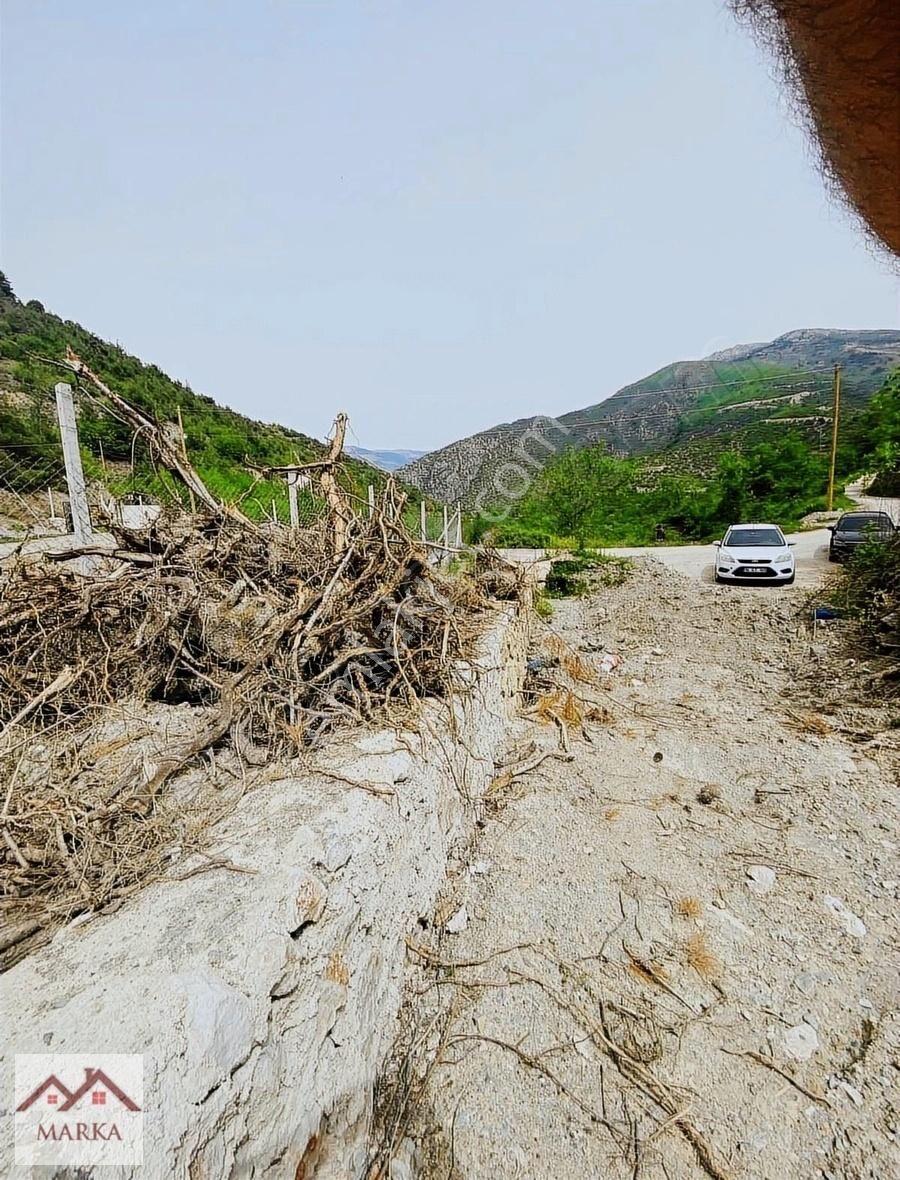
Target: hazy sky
(434, 215)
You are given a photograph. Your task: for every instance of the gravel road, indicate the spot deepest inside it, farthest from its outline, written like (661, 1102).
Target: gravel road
(810, 552)
(675, 955)
(810, 549)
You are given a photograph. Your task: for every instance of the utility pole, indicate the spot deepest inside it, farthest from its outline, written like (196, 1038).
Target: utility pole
(835, 416)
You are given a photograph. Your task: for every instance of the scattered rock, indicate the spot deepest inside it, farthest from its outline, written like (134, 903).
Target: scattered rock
(337, 855)
(458, 922)
(761, 879)
(800, 1042)
(853, 924)
(717, 910)
(583, 1047)
(709, 793)
(852, 1093)
(806, 983)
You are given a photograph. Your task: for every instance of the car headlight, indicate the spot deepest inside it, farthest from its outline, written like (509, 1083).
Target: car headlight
(727, 559)
(784, 558)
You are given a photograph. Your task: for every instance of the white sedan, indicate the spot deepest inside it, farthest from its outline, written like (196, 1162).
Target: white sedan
(754, 553)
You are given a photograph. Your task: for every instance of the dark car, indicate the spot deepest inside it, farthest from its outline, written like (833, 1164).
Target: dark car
(858, 528)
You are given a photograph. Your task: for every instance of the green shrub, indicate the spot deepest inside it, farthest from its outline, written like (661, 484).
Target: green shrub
(566, 576)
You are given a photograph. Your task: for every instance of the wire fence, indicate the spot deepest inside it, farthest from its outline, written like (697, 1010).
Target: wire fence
(143, 482)
(267, 473)
(33, 491)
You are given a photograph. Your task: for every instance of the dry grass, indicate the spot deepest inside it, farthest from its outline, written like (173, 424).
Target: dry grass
(689, 907)
(561, 705)
(648, 972)
(600, 715)
(576, 666)
(336, 969)
(709, 793)
(701, 958)
(808, 723)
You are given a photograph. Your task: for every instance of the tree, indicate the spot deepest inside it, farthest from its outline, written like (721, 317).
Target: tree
(733, 492)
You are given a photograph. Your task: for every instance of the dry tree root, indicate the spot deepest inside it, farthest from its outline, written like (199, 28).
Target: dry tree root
(253, 641)
(762, 1059)
(591, 1012)
(633, 1069)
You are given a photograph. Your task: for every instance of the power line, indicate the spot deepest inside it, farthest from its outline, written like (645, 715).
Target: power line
(607, 424)
(791, 384)
(588, 418)
(790, 375)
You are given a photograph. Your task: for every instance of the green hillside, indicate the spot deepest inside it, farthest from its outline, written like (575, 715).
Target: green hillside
(713, 398)
(766, 469)
(218, 439)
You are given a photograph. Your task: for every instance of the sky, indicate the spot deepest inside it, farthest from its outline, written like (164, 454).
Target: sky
(436, 216)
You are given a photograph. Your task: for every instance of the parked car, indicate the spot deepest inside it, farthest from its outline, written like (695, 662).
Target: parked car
(858, 528)
(755, 553)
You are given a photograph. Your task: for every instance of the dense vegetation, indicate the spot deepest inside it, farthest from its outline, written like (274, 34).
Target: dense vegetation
(876, 438)
(593, 498)
(218, 439)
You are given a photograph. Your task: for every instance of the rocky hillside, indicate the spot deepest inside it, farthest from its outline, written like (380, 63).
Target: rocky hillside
(753, 387)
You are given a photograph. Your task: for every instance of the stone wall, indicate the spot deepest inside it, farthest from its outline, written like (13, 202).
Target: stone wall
(264, 1000)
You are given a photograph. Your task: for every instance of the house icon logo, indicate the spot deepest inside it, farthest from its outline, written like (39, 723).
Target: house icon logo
(76, 1108)
(96, 1085)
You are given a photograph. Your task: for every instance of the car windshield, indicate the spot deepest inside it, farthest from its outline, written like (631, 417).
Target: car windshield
(745, 538)
(861, 522)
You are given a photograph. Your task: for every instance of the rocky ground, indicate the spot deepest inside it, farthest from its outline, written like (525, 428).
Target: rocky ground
(677, 954)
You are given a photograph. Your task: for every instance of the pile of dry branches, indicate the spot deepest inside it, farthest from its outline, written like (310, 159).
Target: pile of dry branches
(250, 642)
(266, 642)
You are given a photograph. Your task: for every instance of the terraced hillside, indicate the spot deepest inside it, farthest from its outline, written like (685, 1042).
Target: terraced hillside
(752, 386)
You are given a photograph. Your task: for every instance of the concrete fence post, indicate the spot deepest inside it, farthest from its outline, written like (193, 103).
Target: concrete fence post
(68, 429)
(292, 481)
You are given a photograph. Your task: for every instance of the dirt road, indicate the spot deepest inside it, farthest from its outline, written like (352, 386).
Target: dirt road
(675, 955)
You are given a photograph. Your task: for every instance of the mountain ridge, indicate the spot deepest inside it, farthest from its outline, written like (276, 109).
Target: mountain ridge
(385, 459)
(789, 377)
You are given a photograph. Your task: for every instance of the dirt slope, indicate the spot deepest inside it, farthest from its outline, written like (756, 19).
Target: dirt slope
(712, 879)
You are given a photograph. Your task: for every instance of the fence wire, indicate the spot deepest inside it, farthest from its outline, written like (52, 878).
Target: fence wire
(33, 494)
(128, 485)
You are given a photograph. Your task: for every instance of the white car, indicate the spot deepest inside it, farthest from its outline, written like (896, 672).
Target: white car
(754, 553)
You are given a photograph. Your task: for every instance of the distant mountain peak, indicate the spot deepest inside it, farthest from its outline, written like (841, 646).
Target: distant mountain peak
(712, 398)
(385, 460)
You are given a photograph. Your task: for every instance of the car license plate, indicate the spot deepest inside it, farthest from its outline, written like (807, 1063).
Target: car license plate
(755, 569)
